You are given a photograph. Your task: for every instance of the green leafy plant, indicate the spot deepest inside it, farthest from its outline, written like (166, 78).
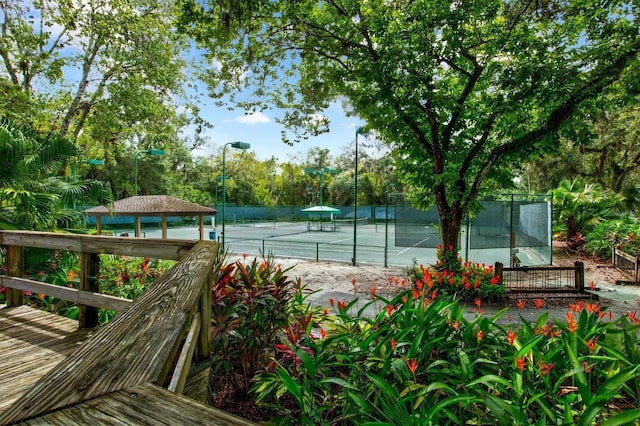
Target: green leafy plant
(622, 232)
(250, 305)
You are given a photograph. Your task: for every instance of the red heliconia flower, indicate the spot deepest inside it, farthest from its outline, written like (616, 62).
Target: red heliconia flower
(405, 299)
(592, 307)
(71, 274)
(480, 335)
(412, 365)
(467, 285)
(419, 285)
(477, 284)
(591, 344)
(573, 326)
(393, 344)
(495, 280)
(342, 305)
(451, 281)
(478, 302)
(450, 247)
(389, 309)
(520, 363)
(373, 292)
(521, 304)
(592, 285)
(332, 301)
(511, 336)
(325, 312)
(539, 303)
(577, 307)
(545, 368)
(415, 294)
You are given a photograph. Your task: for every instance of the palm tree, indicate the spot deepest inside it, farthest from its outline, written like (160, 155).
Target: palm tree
(33, 193)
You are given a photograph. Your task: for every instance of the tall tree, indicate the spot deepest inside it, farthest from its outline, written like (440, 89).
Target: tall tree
(461, 89)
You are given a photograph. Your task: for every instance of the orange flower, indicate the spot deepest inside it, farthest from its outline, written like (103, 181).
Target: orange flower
(577, 307)
(573, 326)
(71, 275)
(591, 344)
(393, 344)
(511, 335)
(586, 367)
(342, 305)
(478, 302)
(480, 335)
(592, 307)
(419, 285)
(373, 292)
(520, 363)
(539, 303)
(323, 333)
(412, 365)
(332, 301)
(592, 286)
(41, 296)
(521, 304)
(545, 368)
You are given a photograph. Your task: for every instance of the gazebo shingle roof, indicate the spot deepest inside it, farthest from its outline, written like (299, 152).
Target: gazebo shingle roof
(151, 205)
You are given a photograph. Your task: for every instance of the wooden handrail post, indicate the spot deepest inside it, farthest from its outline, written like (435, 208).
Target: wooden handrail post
(15, 268)
(89, 271)
(203, 349)
(579, 271)
(498, 270)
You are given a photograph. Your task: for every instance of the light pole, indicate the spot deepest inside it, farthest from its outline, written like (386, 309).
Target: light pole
(135, 165)
(363, 132)
(320, 172)
(237, 145)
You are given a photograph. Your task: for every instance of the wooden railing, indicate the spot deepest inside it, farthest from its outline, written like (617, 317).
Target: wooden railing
(542, 279)
(625, 263)
(152, 340)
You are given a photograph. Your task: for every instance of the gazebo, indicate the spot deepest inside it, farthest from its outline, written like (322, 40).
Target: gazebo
(152, 205)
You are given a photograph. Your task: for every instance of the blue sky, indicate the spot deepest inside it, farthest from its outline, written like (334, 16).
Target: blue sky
(263, 133)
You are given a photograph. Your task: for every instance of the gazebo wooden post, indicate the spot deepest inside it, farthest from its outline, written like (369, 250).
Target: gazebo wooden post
(164, 227)
(99, 225)
(201, 224)
(138, 227)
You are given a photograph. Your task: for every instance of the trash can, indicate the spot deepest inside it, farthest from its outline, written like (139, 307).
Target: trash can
(212, 235)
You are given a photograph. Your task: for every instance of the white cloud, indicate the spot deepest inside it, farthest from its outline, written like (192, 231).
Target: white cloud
(253, 118)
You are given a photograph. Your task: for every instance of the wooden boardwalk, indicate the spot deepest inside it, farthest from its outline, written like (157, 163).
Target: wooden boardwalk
(32, 342)
(52, 372)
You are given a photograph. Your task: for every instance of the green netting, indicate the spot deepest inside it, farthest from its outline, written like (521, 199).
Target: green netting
(521, 224)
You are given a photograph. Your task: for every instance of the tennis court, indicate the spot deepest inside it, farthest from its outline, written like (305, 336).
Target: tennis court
(375, 243)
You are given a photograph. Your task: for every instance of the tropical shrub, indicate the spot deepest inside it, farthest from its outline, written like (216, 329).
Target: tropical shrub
(420, 362)
(250, 306)
(580, 207)
(623, 232)
(451, 277)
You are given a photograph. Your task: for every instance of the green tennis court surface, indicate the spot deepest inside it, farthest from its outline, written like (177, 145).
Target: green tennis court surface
(375, 243)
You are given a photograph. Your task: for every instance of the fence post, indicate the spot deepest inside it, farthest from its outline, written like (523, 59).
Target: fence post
(635, 269)
(89, 272)
(203, 349)
(498, 268)
(15, 262)
(579, 271)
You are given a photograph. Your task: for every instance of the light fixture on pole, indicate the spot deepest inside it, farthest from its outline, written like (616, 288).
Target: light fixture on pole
(365, 133)
(135, 165)
(237, 145)
(91, 162)
(320, 172)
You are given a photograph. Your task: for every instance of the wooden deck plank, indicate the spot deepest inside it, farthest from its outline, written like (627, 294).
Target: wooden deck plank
(32, 342)
(143, 405)
(132, 349)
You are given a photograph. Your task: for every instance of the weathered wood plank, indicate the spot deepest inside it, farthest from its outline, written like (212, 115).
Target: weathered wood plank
(32, 342)
(181, 370)
(143, 405)
(70, 294)
(130, 350)
(123, 246)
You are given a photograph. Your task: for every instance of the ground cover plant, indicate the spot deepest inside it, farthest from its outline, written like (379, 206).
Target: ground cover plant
(419, 361)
